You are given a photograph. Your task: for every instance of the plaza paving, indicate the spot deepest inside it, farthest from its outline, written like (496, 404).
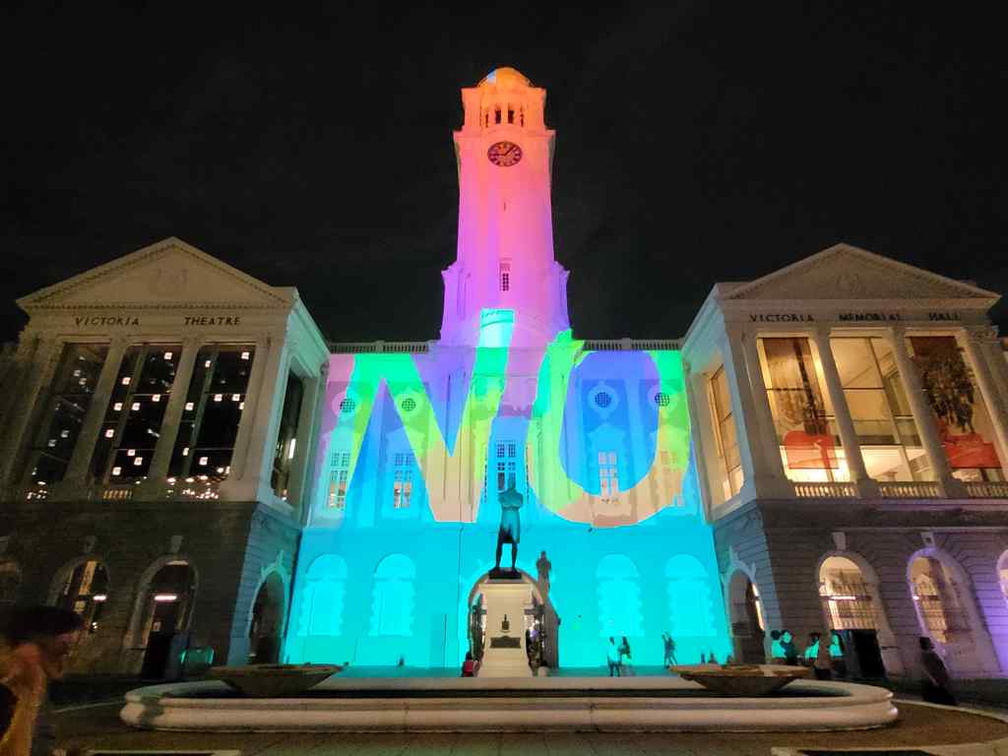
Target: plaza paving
(98, 727)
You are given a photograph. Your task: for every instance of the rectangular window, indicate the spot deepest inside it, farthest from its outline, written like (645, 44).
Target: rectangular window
(608, 475)
(402, 482)
(505, 275)
(507, 452)
(132, 423)
(964, 423)
(887, 434)
(339, 471)
(70, 397)
(725, 435)
(802, 414)
(286, 444)
(212, 412)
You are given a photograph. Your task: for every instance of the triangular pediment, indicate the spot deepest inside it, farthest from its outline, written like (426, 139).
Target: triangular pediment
(169, 273)
(847, 272)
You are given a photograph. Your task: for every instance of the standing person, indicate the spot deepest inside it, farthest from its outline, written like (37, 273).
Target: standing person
(669, 645)
(822, 667)
(624, 655)
(470, 667)
(936, 687)
(613, 658)
(35, 646)
(788, 647)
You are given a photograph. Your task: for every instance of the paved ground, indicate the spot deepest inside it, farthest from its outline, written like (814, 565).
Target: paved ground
(99, 727)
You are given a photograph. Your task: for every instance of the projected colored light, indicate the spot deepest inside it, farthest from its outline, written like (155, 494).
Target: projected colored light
(414, 449)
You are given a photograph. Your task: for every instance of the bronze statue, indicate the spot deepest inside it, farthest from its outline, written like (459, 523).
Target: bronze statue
(510, 524)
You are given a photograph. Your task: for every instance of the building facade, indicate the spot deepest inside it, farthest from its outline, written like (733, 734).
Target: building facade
(189, 464)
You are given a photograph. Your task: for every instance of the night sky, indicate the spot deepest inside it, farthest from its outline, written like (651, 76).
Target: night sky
(700, 143)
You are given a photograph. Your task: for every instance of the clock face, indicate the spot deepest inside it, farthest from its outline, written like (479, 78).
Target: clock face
(504, 153)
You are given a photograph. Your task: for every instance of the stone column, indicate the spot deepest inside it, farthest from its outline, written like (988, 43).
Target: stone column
(971, 341)
(258, 419)
(18, 434)
(154, 484)
(848, 433)
(762, 477)
(701, 434)
(927, 426)
(77, 469)
(995, 354)
(764, 417)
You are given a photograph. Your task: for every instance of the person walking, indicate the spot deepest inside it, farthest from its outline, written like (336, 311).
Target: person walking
(625, 656)
(613, 658)
(669, 647)
(35, 647)
(936, 687)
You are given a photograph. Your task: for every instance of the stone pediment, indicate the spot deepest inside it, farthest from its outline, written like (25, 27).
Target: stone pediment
(169, 273)
(843, 272)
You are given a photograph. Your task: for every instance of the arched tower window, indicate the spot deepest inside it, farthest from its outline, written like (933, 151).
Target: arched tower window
(322, 606)
(691, 609)
(394, 596)
(619, 602)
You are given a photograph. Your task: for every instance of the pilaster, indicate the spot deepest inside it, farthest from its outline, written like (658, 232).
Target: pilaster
(763, 478)
(848, 433)
(47, 357)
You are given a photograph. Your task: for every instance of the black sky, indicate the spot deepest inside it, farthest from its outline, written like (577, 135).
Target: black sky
(696, 143)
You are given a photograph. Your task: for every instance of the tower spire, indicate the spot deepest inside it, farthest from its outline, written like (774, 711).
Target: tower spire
(505, 258)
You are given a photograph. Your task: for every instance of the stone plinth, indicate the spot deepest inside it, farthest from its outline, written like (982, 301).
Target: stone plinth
(504, 654)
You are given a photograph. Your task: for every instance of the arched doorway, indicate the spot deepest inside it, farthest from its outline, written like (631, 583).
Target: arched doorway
(541, 623)
(947, 614)
(266, 626)
(851, 606)
(166, 605)
(747, 619)
(84, 590)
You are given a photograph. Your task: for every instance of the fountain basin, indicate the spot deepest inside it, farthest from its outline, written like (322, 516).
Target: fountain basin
(742, 679)
(273, 680)
(509, 705)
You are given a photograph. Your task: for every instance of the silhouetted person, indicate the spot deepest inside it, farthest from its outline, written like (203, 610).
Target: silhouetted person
(35, 646)
(470, 666)
(613, 658)
(788, 647)
(669, 647)
(936, 687)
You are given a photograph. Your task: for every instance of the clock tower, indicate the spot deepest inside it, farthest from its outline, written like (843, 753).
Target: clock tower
(505, 255)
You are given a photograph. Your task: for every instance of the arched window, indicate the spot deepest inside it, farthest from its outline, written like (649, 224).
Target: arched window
(325, 590)
(846, 595)
(937, 598)
(691, 609)
(394, 593)
(619, 602)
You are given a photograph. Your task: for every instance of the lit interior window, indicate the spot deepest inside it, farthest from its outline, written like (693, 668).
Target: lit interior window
(218, 397)
(235, 397)
(245, 355)
(156, 398)
(109, 433)
(138, 461)
(126, 381)
(135, 406)
(204, 460)
(167, 355)
(189, 406)
(116, 470)
(117, 406)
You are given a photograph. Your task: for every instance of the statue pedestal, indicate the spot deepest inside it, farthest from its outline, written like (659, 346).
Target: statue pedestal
(504, 654)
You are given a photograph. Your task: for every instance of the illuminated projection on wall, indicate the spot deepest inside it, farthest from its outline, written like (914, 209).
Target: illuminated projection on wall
(414, 452)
